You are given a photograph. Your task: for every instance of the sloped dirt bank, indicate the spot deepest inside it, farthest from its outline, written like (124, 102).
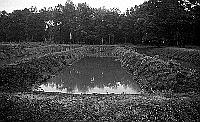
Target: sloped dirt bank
(186, 57)
(21, 76)
(13, 53)
(151, 72)
(155, 74)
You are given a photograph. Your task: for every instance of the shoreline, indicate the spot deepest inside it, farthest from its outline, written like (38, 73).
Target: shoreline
(53, 106)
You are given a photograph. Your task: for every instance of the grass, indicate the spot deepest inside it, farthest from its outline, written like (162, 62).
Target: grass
(40, 106)
(188, 57)
(11, 53)
(97, 107)
(154, 73)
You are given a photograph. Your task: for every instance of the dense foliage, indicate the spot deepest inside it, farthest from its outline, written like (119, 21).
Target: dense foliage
(158, 22)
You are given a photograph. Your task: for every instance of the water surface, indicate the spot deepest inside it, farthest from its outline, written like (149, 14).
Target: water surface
(92, 75)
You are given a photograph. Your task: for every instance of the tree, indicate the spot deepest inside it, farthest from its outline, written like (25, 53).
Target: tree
(164, 20)
(173, 22)
(4, 24)
(193, 6)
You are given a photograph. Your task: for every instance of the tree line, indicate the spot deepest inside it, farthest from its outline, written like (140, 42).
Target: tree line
(155, 22)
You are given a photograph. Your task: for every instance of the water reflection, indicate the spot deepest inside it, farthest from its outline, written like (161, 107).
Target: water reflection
(92, 75)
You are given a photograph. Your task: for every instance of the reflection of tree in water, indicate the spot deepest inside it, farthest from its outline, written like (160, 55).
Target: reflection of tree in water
(92, 72)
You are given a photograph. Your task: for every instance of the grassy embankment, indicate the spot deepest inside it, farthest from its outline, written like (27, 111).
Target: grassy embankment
(154, 107)
(188, 57)
(13, 53)
(39, 66)
(154, 73)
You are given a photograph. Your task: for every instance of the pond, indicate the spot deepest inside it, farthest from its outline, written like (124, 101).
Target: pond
(92, 75)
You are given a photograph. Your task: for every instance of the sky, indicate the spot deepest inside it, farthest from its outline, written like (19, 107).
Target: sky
(10, 5)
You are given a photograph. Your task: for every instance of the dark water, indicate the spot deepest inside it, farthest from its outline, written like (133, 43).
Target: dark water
(92, 75)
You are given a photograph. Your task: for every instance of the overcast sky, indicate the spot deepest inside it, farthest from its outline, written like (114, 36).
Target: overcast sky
(10, 5)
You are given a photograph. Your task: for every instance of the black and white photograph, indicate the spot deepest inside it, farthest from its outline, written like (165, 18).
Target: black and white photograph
(99, 60)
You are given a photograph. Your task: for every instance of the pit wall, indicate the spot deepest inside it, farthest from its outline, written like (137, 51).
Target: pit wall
(151, 73)
(191, 56)
(50, 49)
(28, 54)
(154, 74)
(69, 56)
(49, 64)
(21, 54)
(22, 75)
